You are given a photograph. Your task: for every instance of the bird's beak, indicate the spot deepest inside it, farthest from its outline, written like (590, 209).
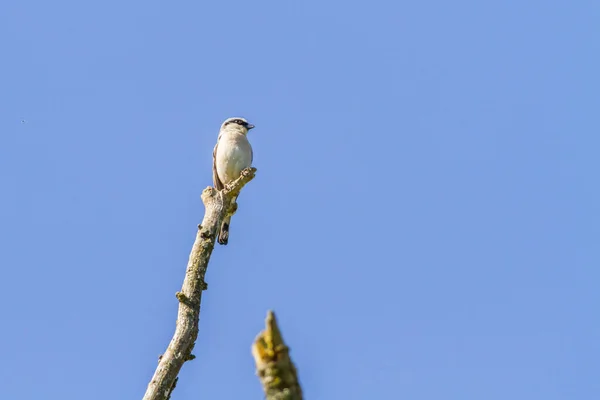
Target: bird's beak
(249, 126)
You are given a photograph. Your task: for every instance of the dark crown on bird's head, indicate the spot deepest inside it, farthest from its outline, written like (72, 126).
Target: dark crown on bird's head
(238, 121)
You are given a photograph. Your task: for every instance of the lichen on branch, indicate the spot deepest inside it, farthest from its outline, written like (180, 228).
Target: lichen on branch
(217, 205)
(274, 366)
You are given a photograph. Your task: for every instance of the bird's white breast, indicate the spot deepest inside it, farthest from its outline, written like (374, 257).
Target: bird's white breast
(234, 154)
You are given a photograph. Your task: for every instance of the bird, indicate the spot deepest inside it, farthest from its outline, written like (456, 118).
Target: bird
(232, 154)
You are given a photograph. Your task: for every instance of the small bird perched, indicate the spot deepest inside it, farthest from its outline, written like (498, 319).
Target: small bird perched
(232, 154)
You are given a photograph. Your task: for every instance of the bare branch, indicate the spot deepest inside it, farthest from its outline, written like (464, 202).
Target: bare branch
(217, 204)
(274, 366)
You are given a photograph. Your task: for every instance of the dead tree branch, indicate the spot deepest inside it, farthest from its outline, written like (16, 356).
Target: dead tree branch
(274, 366)
(217, 205)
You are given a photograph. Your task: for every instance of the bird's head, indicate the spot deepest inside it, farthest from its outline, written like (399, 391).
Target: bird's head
(237, 124)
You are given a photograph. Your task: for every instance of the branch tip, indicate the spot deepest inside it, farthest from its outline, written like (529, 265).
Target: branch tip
(234, 188)
(217, 204)
(273, 364)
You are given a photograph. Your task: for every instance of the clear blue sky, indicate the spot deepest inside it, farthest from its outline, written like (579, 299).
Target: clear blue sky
(425, 219)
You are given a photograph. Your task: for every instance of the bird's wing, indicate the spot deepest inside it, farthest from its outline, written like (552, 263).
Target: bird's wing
(216, 181)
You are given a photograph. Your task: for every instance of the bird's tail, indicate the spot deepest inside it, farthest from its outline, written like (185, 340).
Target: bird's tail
(223, 236)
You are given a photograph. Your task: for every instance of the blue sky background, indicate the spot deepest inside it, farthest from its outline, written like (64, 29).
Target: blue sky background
(425, 219)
